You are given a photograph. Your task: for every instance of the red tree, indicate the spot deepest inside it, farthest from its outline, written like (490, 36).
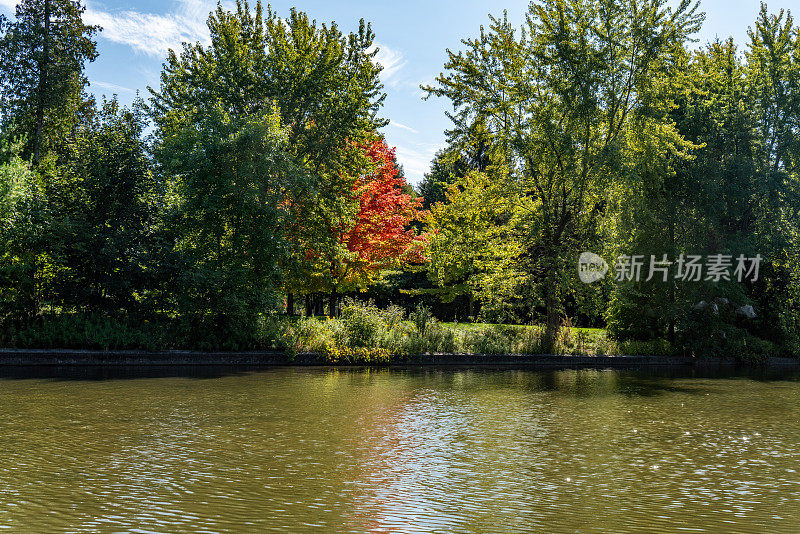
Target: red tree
(381, 236)
(366, 230)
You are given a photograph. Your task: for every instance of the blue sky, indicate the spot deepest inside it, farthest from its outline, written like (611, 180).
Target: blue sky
(412, 35)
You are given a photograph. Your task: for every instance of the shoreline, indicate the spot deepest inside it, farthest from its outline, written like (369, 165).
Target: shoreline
(136, 358)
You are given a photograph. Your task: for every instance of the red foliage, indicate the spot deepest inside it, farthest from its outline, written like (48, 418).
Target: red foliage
(381, 235)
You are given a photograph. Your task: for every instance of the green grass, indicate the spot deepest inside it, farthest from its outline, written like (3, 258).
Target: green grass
(363, 326)
(363, 334)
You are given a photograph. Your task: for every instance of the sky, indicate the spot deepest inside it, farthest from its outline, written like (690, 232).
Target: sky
(412, 36)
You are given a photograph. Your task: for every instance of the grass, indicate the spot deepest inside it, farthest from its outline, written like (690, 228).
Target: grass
(363, 334)
(393, 334)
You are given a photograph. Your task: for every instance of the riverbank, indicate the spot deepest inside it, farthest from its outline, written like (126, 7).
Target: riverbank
(27, 357)
(365, 334)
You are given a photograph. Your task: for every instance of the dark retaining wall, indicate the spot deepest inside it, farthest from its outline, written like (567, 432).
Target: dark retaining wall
(24, 357)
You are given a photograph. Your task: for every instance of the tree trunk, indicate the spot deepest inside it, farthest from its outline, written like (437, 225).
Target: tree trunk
(553, 324)
(43, 66)
(671, 333)
(290, 304)
(309, 306)
(552, 303)
(334, 304)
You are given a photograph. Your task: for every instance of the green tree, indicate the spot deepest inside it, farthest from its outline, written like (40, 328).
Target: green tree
(24, 218)
(773, 75)
(736, 194)
(473, 244)
(104, 202)
(469, 149)
(42, 55)
(260, 132)
(558, 100)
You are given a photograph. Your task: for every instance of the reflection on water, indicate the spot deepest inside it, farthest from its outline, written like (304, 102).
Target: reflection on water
(403, 451)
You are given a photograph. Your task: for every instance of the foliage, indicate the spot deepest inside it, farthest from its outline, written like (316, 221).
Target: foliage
(362, 324)
(378, 237)
(558, 99)
(252, 128)
(472, 242)
(228, 216)
(593, 127)
(104, 204)
(23, 223)
(42, 54)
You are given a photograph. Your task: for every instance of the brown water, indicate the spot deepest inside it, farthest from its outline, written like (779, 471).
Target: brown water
(401, 451)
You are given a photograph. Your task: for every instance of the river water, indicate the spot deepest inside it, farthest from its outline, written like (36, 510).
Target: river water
(296, 450)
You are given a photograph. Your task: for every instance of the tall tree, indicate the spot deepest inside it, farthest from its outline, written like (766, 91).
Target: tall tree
(736, 194)
(378, 236)
(469, 149)
(24, 218)
(42, 56)
(773, 75)
(558, 100)
(249, 193)
(473, 244)
(104, 201)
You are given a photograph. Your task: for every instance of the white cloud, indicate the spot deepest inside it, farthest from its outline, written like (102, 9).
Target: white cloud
(114, 88)
(402, 126)
(151, 33)
(391, 61)
(415, 161)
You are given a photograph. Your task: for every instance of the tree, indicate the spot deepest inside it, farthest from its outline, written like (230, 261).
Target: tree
(736, 194)
(377, 236)
(443, 171)
(557, 101)
(259, 130)
(323, 84)
(468, 149)
(773, 75)
(24, 218)
(42, 54)
(104, 201)
(473, 245)
(231, 176)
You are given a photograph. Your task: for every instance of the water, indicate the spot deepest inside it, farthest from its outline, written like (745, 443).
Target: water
(403, 451)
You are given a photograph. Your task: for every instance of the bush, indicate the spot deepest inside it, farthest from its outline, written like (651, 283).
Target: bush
(493, 340)
(79, 331)
(355, 355)
(433, 337)
(362, 324)
(448, 342)
(393, 316)
(653, 347)
(532, 341)
(420, 317)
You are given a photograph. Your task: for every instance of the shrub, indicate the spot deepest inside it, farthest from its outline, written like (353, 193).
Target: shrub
(653, 347)
(393, 316)
(362, 324)
(335, 353)
(420, 317)
(433, 336)
(448, 342)
(531, 341)
(81, 331)
(493, 340)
